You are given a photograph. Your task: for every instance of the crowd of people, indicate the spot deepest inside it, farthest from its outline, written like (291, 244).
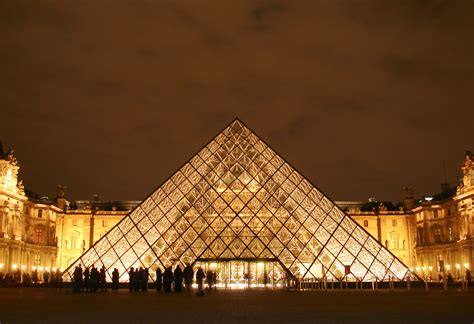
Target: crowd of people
(19, 278)
(90, 280)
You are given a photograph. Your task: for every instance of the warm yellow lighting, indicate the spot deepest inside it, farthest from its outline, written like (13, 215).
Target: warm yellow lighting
(417, 269)
(23, 267)
(411, 269)
(14, 266)
(41, 268)
(1, 265)
(423, 268)
(466, 265)
(458, 266)
(47, 269)
(54, 269)
(430, 267)
(61, 269)
(448, 267)
(33, 267)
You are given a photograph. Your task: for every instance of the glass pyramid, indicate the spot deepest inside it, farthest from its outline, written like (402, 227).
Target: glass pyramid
(239, 200)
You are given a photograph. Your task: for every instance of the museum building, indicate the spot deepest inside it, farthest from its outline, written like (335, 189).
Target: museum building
(240, 208)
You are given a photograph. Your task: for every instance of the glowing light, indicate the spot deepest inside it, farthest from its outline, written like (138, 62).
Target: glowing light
(417, 269)
(54, 269)
(458, 266)
(466, 265)
(33, 267)
(41, 268)
(431, 268)
(1, 265)
(14, 266)
(423, 268)
(429, 198)
(448, 267)
(411, 269)
(47, 269)
(23, 267)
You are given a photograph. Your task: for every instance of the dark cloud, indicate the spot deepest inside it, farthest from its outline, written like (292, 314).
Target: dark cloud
(363, 97)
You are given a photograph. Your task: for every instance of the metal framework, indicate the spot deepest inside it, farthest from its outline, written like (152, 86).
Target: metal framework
(238, 199)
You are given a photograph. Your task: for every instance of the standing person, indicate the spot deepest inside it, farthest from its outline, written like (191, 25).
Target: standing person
(159, 279)
(86, 283)
(468, 276)
(46, 277)
(115, 279)
(137, 279)
(188, 274)
(214, 279)
(167, 279)
(131, 275)
(103, 279)
(199, 278)
(178, 279)
(209, 279)
(77, 277)
(144, 279)
(94, 280)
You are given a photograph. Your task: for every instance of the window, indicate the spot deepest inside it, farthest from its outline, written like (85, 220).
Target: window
(437, 234)
(394, 222)
(366, 223)
(104, 223)
(73, 241)
(450, 233)
(37, 260)
(74, 222)
(38, 236)
(435, 214)
(40, 213)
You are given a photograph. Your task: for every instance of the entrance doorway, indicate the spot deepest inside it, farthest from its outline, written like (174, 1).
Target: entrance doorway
(246, 273)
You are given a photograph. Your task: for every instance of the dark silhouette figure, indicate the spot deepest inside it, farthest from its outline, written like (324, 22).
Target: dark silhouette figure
(131, 275)
(34, 276)
(103, 279)
(178, 279)
(46, 277)
(209, 279)
(188, 274)
(77, 280)
(450, 278)
(468, 276)
(86, 282)
(137, 279)
(144, 279)
(94, 280)
(199, 278)
(115, 279)
(159, 279)
(167, 279)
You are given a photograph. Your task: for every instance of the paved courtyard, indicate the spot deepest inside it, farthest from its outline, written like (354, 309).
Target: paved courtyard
(60, 305)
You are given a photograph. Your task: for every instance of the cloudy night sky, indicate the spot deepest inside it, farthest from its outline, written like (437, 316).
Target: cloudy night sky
(362, 97)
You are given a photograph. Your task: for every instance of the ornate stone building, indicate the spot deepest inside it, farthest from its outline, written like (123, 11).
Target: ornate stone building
(27, 224)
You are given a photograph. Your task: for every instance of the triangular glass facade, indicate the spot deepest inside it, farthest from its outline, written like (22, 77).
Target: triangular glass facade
(238, 200)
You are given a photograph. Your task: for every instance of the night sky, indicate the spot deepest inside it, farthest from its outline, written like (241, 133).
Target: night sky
(362, 97)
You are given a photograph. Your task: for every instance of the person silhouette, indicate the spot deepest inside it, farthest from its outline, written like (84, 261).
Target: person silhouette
(188, 274)
(159, 279)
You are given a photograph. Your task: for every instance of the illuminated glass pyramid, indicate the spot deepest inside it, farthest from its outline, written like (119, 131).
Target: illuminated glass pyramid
(238, 200)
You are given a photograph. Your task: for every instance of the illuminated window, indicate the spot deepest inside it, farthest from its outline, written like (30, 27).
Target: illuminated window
(37, 260)
(38, 236)
(40, 213)
(450, 233)
(73, 241)
(437, 234)
(366, 223)
(435, 214)
(394, 222)
(74, 222)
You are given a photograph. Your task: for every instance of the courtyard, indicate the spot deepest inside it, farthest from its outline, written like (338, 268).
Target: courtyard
(224, 306)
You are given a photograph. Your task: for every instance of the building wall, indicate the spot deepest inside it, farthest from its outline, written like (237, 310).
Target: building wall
(27, 228)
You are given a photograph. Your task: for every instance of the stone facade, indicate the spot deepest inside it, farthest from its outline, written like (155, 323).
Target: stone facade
(27, 226)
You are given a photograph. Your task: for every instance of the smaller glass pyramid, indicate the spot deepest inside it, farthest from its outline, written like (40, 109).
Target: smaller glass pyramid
(239, 200)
